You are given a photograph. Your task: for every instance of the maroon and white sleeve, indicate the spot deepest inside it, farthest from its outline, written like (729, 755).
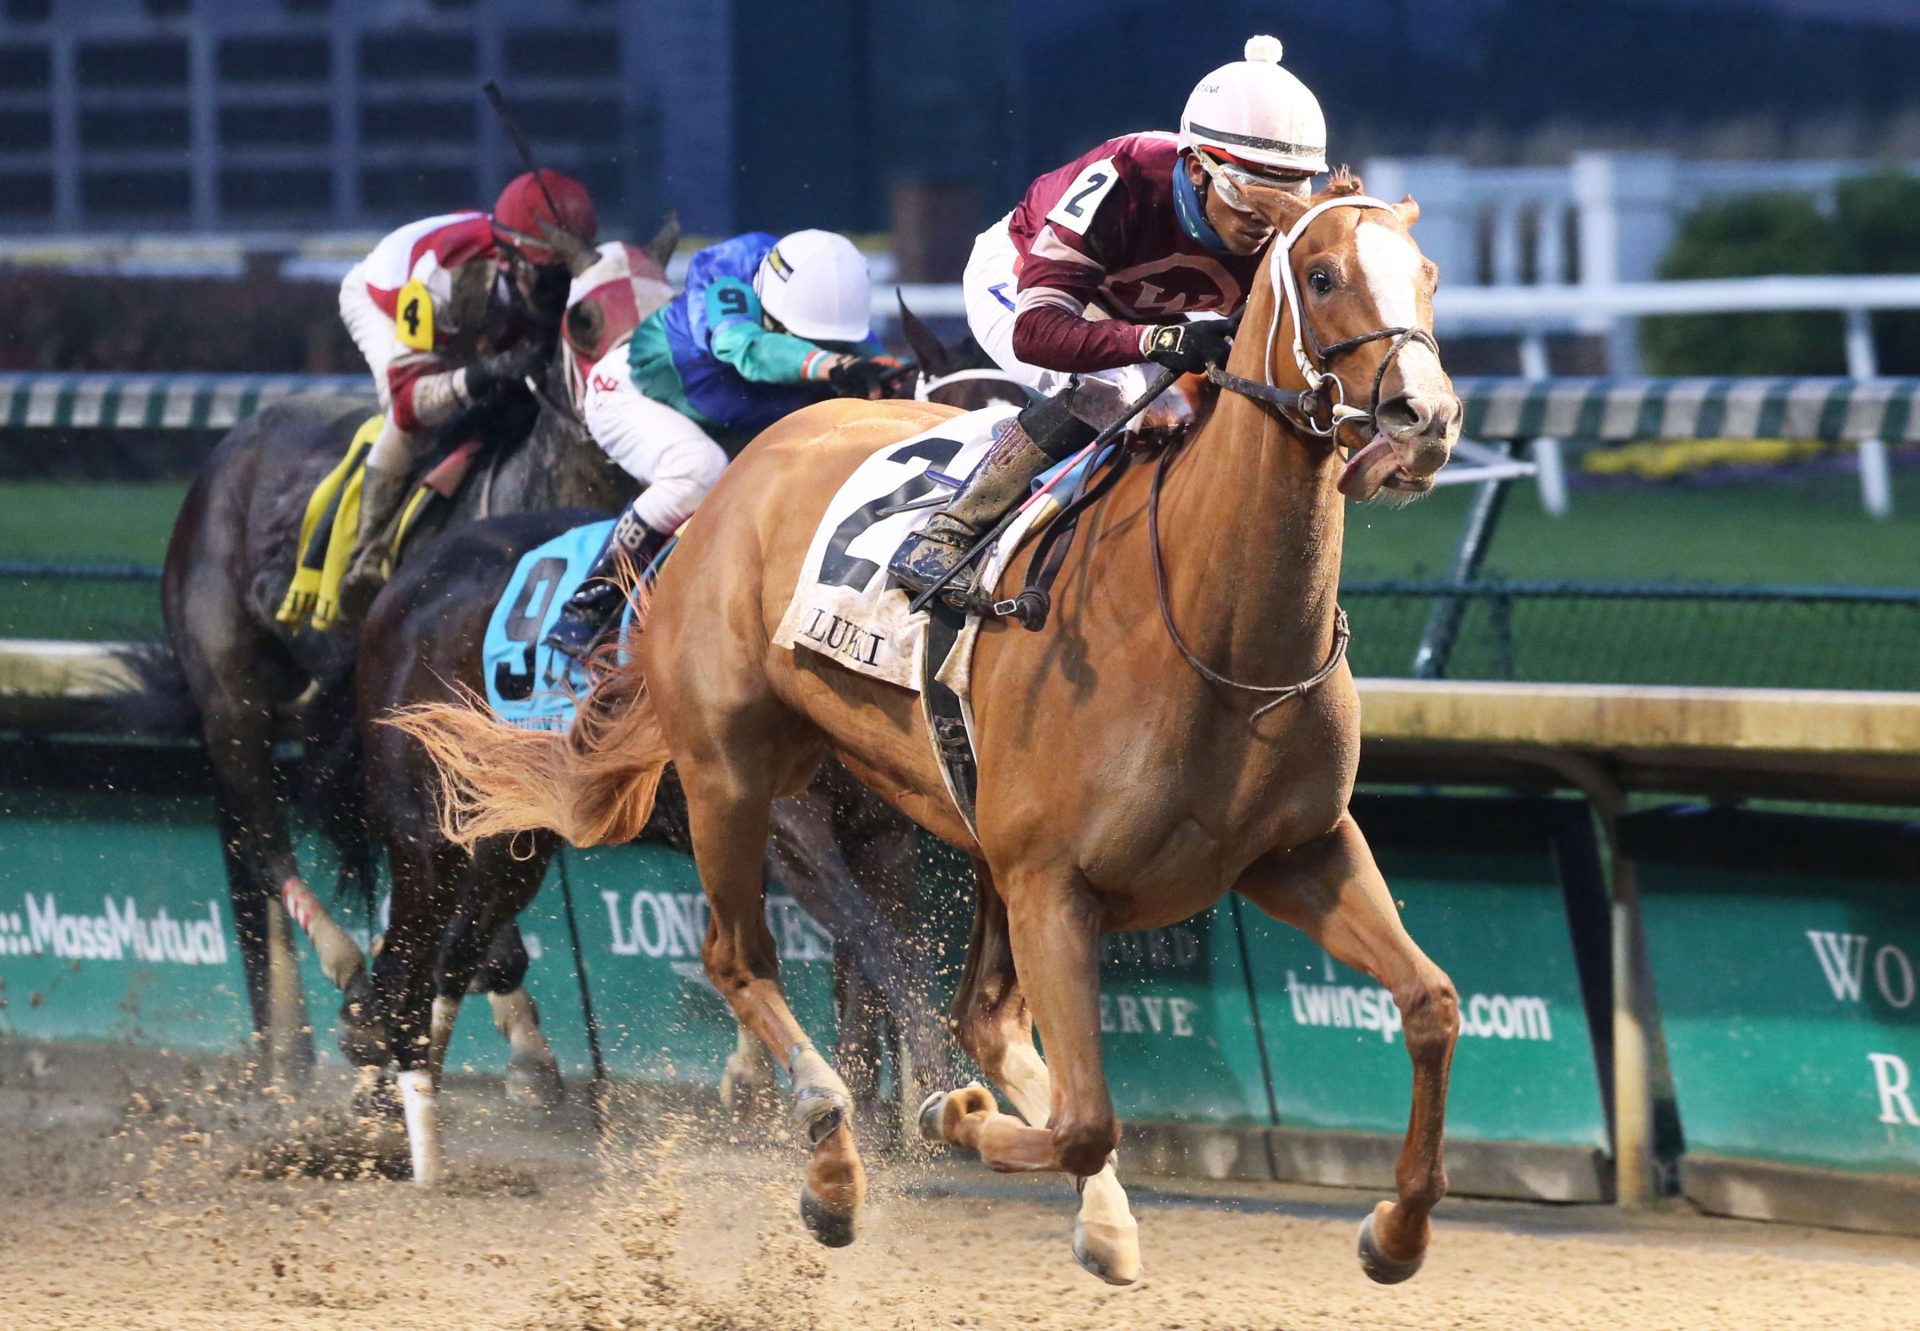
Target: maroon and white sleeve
(1062, 275)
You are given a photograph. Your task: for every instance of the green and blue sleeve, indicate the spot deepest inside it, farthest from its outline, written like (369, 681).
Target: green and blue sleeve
(740, 339)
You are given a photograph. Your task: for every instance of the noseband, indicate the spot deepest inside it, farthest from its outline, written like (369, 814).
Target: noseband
(1324, 398)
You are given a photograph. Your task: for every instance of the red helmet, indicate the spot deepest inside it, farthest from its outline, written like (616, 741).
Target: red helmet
(526, 211)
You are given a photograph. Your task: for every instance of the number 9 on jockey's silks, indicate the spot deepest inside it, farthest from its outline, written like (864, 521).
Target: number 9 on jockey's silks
(413, 316)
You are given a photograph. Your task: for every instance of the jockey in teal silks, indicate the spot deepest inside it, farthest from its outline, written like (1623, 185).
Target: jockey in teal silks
(763, 328)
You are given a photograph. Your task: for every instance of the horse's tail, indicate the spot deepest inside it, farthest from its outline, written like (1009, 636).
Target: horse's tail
(157, 700)
(594, 784)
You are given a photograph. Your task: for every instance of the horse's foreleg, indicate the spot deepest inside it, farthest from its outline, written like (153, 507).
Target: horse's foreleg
(1332, 891)
(533, 1072)
(403, 996)
(746, 1083)
(729, 795)
(996, 1030)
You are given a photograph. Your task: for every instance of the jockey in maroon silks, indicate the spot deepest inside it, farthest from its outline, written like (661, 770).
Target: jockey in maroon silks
(449, 311)
(1094, 275)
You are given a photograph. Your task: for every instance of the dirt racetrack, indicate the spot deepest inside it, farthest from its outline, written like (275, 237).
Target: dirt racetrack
(141, 1192)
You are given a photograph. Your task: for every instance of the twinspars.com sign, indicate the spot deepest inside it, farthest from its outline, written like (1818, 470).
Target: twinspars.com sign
(1786, 955)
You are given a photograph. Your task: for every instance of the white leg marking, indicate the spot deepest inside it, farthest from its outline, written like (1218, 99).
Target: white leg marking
(423, 1126)
(1106, 1238)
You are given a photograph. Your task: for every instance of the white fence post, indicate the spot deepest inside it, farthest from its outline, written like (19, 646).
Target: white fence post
(1549, 457)
(1626, 203)
(1876, 473)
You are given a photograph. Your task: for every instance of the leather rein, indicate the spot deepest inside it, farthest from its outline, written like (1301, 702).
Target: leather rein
(1305, 410)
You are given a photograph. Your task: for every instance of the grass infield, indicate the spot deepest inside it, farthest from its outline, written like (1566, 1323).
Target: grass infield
(1808, 531)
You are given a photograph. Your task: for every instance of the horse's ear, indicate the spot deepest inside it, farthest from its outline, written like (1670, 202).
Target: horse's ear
(1284, 210)
(665, 240)
(927, 348)
(1408, 210)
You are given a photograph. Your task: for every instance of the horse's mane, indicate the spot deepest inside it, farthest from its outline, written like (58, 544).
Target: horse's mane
(1342, 182)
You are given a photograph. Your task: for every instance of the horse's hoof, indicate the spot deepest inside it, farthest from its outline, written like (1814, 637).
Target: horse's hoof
(535, 1082)
(832, 1228)
(1114, 1258)
(930, 1118)
(380, 1101)
(819, 1114)
(1380, 1268)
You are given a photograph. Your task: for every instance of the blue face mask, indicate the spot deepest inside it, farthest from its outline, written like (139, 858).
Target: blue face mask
(1193, 217)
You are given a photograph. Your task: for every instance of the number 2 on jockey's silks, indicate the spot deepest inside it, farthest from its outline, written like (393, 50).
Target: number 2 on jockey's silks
(413, 316)
(1077, 206)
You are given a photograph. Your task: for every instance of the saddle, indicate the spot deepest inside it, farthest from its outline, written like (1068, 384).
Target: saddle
(332, 522)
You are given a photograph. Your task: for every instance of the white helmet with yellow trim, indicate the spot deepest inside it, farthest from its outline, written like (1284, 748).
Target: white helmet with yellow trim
(817, 285)
(1254, 112)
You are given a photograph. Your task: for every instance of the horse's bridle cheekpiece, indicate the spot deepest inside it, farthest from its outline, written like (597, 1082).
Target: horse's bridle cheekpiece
(1318, 409)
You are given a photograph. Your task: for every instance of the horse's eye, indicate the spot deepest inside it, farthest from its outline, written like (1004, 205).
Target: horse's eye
(1321, 281)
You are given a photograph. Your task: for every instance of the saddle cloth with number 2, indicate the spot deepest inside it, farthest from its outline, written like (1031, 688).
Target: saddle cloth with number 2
(845, 607)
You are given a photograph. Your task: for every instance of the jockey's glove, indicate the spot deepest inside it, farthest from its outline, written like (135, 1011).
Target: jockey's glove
(862, 376)
(1188, 347)
(507, 368)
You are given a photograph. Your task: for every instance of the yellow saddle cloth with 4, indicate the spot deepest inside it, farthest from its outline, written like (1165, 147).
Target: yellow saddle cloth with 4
(328, 531)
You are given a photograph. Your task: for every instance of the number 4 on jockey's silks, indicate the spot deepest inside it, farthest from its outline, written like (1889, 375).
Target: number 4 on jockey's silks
(413, 316)
(1082, 199)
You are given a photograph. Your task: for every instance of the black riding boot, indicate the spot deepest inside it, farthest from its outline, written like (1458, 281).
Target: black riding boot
(595, 605)
(1043, 434)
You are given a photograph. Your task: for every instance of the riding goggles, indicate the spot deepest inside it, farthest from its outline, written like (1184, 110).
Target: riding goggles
(1245, 190)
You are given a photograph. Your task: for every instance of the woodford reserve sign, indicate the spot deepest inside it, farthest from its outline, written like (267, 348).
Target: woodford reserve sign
(1786, 959)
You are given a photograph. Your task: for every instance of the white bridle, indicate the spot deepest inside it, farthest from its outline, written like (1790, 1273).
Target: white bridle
(1314, 363)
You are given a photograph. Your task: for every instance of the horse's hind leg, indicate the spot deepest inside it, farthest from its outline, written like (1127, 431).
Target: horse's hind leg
(730, 779)
(1332, 891)
(265, 940)
(994, 1027)
(533, 1072)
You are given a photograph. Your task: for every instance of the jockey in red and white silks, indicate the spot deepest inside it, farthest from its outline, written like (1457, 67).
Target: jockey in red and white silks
(447, 311)
(1100, 269)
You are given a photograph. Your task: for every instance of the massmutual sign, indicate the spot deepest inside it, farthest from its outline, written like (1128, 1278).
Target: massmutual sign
(121, 930)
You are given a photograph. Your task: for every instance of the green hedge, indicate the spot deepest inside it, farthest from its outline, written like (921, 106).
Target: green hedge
(1872, 230)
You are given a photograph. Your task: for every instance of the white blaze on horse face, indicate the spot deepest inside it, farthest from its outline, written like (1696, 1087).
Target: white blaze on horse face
(1390, 266)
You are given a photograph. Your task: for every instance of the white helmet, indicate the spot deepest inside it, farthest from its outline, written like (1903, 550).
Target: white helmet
(816, 284)
(1256, 112)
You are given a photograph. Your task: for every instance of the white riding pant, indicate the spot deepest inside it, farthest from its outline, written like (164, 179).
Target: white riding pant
(989, 286)
(371, 329)
(671, 455)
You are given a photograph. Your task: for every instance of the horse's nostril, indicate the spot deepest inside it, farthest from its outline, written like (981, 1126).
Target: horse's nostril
(1403, 415)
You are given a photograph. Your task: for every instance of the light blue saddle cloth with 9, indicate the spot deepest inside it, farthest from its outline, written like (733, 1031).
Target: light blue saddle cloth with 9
(528, 683)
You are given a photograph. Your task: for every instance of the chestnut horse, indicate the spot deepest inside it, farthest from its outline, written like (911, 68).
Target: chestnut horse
(1127, 778)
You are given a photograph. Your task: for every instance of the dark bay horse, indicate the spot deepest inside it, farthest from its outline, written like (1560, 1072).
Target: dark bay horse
(1129, 773)
(228, 564)
(842, 854)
